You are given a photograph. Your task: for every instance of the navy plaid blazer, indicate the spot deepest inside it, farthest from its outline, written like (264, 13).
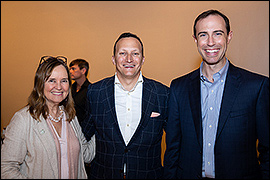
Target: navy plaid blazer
(143, 153)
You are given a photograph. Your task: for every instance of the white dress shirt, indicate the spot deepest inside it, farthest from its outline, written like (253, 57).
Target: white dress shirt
(128, 107)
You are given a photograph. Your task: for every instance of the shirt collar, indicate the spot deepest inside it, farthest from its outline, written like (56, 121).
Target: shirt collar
(117, 82)
(86, 83)
(221, 72)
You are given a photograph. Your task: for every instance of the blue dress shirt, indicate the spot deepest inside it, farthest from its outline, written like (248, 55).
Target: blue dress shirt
(211, 97)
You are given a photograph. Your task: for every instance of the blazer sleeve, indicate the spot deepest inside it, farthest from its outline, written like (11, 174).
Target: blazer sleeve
(173, 136)
(87, 124)
(13, 150)
(262, 120)
(88, 147)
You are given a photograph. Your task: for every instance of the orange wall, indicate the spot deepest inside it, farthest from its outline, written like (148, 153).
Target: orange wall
(88, 29)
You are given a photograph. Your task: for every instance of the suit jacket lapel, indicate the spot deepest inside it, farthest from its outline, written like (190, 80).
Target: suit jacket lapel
(195, 103)
(231, 90)
(110, 106)
(46, 138)
(147, 100)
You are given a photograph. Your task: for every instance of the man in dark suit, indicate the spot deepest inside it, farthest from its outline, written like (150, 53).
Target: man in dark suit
(127, 113)
(217, 113)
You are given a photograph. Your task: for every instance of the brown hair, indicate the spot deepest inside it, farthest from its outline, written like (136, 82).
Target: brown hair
(81, 63)
(36, 100)
(126, 35)
(205, 14)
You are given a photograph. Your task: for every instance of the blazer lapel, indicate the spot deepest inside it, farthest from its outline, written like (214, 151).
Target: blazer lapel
(43, 132)
(110, 106)
(195, 103)
(231, 90)
(147, 100)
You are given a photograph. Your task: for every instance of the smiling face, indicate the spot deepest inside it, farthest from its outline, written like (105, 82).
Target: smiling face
(128, 58)
(212, 39)
(56, 88)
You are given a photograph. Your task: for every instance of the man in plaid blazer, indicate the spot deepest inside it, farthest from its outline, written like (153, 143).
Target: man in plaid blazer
(127, 113)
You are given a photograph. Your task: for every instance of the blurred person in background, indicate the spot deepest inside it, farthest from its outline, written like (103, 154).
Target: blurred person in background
(78, 71)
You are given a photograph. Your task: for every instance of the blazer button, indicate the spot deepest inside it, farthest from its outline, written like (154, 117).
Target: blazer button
(126, 150)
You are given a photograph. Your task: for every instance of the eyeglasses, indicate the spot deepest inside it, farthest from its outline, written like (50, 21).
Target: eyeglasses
(59, 58)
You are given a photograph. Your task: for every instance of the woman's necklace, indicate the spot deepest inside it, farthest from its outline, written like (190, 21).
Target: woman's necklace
(59, 117)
